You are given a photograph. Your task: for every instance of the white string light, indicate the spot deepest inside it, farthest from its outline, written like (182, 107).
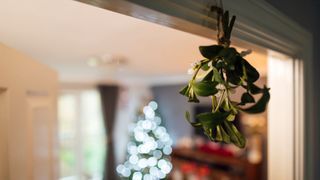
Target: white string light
(148, 153)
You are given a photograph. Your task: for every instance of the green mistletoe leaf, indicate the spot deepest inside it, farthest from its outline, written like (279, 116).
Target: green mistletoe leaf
(251, 72)
(210, 121)
(208, 76)
(235, 136)
(228, 33)
(228, 54)
(216, 75)
(260, 106)
(185, 91)
(254, 89)
(194, 124)
(225, 21)
(189, 92)
(193, 98)
(210, 52)
(246, 98)
(236, 73)
(205, 88)
(225, 136)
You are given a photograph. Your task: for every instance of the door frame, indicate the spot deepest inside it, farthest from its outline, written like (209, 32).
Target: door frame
(268, 28)
(4, 117)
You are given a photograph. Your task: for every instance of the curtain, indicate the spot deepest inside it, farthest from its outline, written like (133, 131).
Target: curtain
(109, 98)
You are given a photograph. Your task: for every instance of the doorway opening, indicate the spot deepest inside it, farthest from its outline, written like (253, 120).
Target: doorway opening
(268, 134)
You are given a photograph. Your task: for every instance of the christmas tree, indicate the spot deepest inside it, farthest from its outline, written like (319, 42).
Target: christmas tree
(149, 149)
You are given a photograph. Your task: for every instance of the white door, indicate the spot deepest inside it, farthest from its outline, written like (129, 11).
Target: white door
(40, 118)
(28, 94)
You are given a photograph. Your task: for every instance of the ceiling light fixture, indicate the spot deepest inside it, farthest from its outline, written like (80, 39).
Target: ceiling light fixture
(106, 60)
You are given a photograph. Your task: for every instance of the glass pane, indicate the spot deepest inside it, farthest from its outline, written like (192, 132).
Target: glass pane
(67, 134)
(82, 136)
(93, 135)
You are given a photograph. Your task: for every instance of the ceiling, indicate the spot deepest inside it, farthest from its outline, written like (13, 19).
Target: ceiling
(64, 34)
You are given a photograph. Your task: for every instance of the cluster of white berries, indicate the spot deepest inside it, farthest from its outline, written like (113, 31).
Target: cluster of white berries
(193, 65)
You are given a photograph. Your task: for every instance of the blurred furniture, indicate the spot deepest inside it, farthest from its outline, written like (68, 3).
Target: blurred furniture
(191, 162)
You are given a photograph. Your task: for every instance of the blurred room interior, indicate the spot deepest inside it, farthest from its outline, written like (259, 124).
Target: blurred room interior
(75, 78)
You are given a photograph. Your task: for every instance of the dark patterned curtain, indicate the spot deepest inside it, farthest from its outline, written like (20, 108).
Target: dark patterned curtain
(109, 98)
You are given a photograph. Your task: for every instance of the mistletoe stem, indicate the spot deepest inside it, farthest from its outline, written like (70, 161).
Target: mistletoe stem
(228, 99)
(220, 101)
(213, 102)
(196, 73)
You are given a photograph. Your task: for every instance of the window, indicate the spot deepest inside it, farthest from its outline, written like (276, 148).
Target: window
(81, 135)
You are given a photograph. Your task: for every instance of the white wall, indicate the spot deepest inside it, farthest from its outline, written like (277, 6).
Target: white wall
(26, 85)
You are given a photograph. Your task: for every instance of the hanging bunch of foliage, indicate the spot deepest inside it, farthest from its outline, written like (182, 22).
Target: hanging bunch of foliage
(225, 70)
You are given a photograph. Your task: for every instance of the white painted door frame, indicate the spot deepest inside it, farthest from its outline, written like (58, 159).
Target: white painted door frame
(261, 24)
(282, 112)
(4, 141)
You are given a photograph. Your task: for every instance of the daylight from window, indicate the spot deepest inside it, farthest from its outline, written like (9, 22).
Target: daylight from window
(81, 136)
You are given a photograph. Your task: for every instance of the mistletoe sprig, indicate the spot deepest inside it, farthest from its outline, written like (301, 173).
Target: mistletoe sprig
(225, 70)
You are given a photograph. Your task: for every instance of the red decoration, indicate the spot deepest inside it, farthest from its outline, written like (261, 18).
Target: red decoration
(216, 150)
